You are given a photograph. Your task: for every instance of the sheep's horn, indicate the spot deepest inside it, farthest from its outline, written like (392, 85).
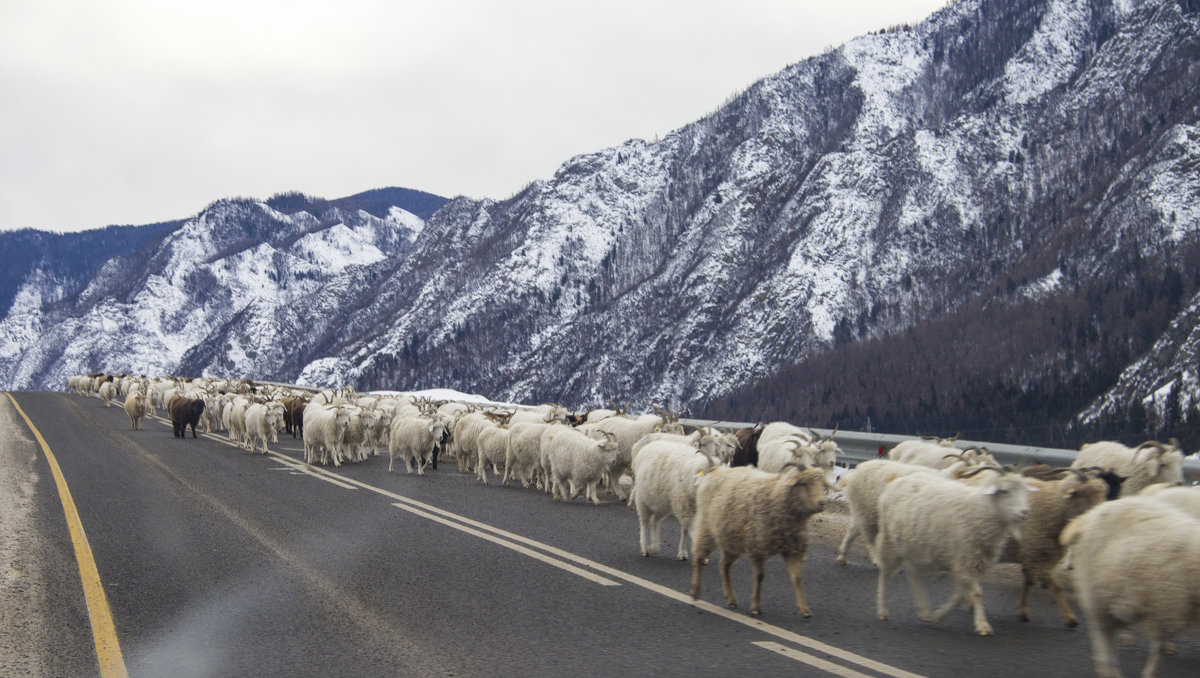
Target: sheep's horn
(979, 469)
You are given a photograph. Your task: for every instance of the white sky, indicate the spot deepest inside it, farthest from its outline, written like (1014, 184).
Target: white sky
(137, 111)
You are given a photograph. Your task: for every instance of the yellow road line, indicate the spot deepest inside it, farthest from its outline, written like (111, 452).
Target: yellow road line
(104, 632)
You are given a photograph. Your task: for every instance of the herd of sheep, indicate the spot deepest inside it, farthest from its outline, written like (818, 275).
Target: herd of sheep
(1114, 515)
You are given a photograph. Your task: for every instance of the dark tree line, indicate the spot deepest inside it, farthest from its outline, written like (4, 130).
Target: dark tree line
(1000, 369)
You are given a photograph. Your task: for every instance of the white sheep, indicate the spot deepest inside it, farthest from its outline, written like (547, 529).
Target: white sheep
(939, 454)
(324, 427)
(1148, 463)
(235, 419)
(75, 383)
(575, 462)
(263, 421)
(491, 448)
(107, 391)
(779, 452)
(862, 487)
(1135, 565)
(379, 429)
(667, 473)
(779, 430)
(627, 432)
(743, 510)
(523, 458)
(542, 414)
(703, 440)
(929, 523)
(355, 441)
(135, 407)
(600, 414)
(413, 440)
(1186, 498)
(464, 433)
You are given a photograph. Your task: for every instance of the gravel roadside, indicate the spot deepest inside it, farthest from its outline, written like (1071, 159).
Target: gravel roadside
(23, 599)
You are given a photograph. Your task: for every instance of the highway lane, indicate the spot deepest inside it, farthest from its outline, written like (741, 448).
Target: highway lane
(219, 562)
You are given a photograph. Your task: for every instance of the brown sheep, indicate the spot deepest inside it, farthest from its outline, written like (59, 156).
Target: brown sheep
(293, 414)
(743, 510)
(746, 453)
(1038, 551)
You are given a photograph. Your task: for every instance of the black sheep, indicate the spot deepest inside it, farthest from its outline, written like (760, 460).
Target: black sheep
(185, 412)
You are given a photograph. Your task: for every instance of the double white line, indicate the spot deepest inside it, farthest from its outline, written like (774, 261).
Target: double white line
(608, 576)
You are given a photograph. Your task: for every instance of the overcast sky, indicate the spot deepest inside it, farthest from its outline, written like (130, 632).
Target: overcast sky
(137, 111)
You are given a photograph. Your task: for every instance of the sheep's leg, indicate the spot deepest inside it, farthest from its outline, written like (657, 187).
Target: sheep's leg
(1102, 633)
(727, 561)
(846, 541)
(1064, 607)
(644, 533)
(1157, 650)
(756, 561)
(702, 548)
(920, 599)
(795, 567)
(685, 531)
(593, 493)
(885, 572)
(1023, 603)
(974, 595)
(392, 460)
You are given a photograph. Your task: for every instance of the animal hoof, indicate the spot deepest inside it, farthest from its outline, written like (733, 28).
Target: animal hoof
(755, 612)
(985, 631)
(1072, 623)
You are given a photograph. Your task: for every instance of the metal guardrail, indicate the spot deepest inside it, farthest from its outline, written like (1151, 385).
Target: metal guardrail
(860, 446)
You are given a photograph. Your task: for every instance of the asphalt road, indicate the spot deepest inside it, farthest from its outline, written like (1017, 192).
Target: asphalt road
(219, 562)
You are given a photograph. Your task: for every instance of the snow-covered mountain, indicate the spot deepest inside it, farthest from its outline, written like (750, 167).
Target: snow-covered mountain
(1004, 158)
(237, 277)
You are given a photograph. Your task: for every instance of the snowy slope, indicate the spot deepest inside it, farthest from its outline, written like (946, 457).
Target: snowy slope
(143, 316)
